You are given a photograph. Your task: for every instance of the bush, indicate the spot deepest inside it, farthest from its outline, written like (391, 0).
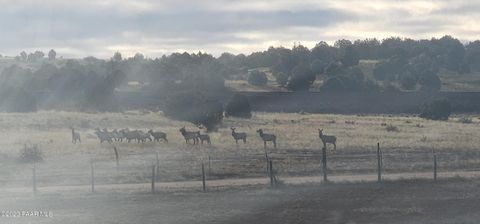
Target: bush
(238, 106)
(408, 81)
(195, 108)
(302, 78)
(391, 128)
(351, 81)
(465, 120)
(281, 78)
(257, 78)
(439, 109)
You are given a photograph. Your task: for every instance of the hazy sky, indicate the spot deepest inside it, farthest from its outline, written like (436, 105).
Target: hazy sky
(157, 27)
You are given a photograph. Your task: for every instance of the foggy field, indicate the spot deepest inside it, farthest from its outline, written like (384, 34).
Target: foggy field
(298, 154)
(123, 195)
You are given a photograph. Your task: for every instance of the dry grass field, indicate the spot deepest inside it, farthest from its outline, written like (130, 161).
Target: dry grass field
(407, 149)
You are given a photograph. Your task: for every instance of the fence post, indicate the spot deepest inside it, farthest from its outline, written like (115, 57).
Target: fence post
(203, 178)
(158, 164)
(153, 179)
(324, 164)
(92, 176)
(272, 183)
(116, 157)
(266, 160)
(34, 179)
(379, 164)
(434, 166)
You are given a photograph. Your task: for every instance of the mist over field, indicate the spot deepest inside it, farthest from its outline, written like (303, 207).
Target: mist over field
(222, 111)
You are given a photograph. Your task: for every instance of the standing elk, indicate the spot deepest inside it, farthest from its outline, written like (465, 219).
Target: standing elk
(75, 136)
(158, 135)
(189, 135)
(267, 138)
(129, 135)
(204, 137)
(103, 136)
(239, 136)
(142, 136)
(327, 139)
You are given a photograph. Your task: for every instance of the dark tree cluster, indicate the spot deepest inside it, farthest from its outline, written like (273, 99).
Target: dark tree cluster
(194, 107)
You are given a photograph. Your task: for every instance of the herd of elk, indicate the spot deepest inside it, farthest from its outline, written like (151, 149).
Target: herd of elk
(140, 136)
(125, 134)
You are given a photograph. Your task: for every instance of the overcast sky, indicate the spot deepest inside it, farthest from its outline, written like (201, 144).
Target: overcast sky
(156, 27)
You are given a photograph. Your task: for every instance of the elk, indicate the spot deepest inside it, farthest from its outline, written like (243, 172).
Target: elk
(204, 137)
(75, 136)
(327, 139)
(103, 136)
(239, 135)
(189, 135)
(117, 136)
(129, 135)
(142, 136)
(267, 138)
(158, 135)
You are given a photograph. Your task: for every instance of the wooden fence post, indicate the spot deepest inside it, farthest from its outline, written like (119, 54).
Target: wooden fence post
(379, 164)
(272, 184)
(266, 160)
(153, 179)
(92, 176)
(324, 164)
(158, 164)
(203, 178)
(34, 179)
(434, 166)
(116, 157)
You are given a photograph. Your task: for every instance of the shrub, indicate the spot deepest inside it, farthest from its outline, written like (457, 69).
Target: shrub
(195, 108)
(281, 78)
(465, 120)
(31, 154)
(257, 78)
(238, 106)
(302, 78)
(439, 109)
(391, 128)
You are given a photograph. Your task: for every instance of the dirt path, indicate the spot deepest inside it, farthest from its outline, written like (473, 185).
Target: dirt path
(227, 183)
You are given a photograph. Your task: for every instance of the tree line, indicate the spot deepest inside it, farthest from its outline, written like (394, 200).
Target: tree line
(192, 78)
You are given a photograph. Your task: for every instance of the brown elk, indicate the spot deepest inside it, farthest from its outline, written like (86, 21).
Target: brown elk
(239, 136)
(75, 136)
(189, 135)
(204, 137)
(267, 138)
(158, 135)
(327, 139)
